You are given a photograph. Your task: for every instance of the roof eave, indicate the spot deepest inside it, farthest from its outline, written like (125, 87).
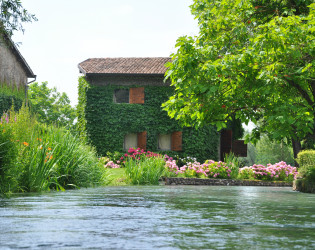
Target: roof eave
(19, 57)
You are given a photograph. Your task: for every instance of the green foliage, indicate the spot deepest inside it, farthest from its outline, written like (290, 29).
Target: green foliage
(51, 106)
(105, 123)
(268, 151)
(10, 97)
(246, 173)
(8, 149)
(306, 160)
(145, 171)
(83, 88)
(252, 60)
(13, 15)
(233, 163)
(45, 157)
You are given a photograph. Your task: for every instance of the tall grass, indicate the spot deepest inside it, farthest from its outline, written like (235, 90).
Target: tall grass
(145, 170)
(233, 162)
(46, 157)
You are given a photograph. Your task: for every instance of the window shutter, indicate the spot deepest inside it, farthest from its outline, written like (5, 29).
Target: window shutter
(239, 148)
(226, 143)
(177, 141)
(142, 140)
(136, 95)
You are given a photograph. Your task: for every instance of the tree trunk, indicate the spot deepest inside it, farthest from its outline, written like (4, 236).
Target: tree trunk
(296, 144)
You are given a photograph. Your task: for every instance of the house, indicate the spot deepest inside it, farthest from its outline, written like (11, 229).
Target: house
(120, 107)
(14, 70)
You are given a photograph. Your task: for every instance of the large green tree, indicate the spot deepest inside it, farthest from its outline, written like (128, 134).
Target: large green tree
(252, 60)
(13, 15)
(51, 106)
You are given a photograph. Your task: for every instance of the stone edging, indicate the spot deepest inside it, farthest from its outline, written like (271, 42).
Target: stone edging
(223, 182)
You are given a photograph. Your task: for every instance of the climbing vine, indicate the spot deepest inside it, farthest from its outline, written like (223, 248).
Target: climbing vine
(105, 123)
(10, 97)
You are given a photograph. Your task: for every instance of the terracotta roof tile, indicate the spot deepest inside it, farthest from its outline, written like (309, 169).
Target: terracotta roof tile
(131, 65)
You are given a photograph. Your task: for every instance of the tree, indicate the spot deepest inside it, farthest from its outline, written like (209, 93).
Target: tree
(13, 15)
(252, 60)
(51, 106)
(272, 152)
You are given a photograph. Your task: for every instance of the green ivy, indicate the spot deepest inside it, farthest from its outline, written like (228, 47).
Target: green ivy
(105, 123)
(10, 97)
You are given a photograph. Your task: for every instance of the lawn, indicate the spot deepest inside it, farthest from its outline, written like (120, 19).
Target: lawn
(117, 176)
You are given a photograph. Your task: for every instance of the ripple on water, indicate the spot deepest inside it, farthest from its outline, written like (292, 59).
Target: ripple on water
(160, 217)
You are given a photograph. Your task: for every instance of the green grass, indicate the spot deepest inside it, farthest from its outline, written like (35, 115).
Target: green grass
(117, 176)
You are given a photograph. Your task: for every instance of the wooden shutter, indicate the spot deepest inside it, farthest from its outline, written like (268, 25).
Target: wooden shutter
(177, 141)
(142, 140)
(225, 143)
(136, 95)
(239, 148)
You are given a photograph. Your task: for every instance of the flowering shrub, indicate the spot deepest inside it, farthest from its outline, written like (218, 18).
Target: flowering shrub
(181, 161)
(276, 172)
(194, 169)
(171, 168)
(209, 169)
(136, 153)
(111, 164)
(246, 173)
(219, 170)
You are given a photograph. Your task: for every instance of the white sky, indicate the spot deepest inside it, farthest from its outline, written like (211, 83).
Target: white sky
(70, 31)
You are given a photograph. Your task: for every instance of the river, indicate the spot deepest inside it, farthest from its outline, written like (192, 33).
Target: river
(164, 217)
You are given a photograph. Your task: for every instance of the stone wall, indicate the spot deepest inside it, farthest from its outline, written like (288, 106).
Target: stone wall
(223, 182)
(11, 71)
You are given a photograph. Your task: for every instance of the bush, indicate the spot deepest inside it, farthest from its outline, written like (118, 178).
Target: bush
(306, 160)
(276, 172)
(209, 169)
(246, 173)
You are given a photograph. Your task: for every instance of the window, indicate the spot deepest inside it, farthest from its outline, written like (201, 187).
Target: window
(132, 95)
(173, 141)
(164, 142)
(121, 96)
(136, 140)
(131, 141)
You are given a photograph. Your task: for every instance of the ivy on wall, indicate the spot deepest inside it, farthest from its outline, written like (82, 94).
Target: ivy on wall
(9, 97)
(104, 123)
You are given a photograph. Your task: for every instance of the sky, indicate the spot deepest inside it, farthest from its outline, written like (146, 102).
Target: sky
(70, 31)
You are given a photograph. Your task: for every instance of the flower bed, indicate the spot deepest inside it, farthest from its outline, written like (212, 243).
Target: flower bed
(210, 169)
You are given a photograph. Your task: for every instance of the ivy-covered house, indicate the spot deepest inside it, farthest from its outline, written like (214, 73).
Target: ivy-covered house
(120, 107)
(15, 74)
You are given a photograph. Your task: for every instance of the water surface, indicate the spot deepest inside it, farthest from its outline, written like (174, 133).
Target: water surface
(166, 217)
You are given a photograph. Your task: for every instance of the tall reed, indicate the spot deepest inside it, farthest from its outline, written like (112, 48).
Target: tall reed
(47, 157)
(145, 170)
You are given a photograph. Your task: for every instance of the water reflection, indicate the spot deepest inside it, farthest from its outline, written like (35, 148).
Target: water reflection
(167, 217)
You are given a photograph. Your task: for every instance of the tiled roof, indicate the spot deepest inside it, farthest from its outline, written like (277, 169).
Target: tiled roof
(131, 65)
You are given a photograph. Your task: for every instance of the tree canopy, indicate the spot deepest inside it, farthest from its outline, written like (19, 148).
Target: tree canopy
(13, 15)
(51, 106)
(252, 60)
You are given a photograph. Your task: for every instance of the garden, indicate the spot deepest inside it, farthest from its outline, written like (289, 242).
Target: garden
(141, 167)
(37, 157)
